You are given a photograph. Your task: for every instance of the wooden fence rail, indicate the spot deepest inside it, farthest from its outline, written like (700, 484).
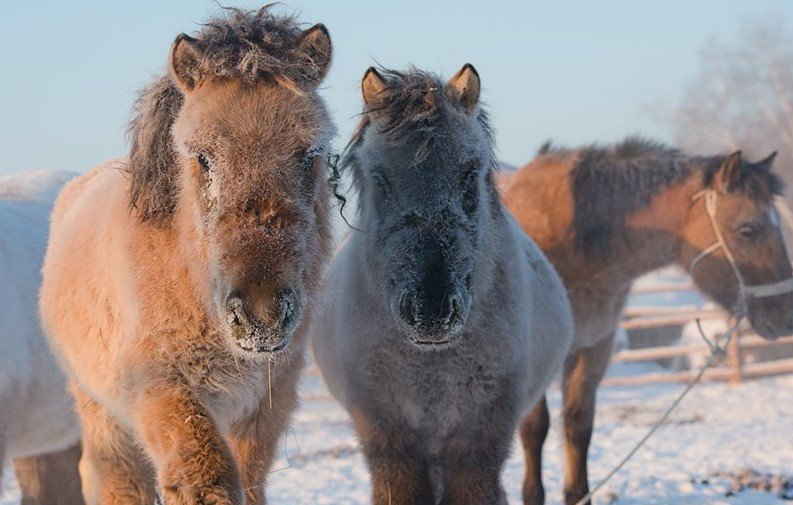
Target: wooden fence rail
(735, 369)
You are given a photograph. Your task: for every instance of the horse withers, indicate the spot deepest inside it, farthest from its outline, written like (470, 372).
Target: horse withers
(39, 429)
(178, 282)
(607, 215)
(441, 321)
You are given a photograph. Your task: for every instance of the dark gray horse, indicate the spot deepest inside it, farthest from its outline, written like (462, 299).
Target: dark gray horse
(441, 320)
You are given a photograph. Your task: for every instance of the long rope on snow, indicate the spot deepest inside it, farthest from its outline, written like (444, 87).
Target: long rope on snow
(717, 350)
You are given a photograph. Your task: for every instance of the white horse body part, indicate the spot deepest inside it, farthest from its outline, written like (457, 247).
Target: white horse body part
(36, 411)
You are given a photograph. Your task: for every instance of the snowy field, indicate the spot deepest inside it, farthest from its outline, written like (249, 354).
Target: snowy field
(716, 437)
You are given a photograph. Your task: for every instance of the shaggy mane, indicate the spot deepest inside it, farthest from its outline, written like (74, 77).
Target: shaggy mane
(611, 182)
(416, 107)
(248, 45)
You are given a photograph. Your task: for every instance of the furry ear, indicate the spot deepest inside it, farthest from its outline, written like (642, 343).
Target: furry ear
(729, 173)
(374, 88)
(316, 46)
(185, 62)
(464, 88)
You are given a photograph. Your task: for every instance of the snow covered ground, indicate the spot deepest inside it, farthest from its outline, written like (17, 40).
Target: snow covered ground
(717, 432)
(719, 438)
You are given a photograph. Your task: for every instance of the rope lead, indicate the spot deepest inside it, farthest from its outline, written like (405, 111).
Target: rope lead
(717, 351)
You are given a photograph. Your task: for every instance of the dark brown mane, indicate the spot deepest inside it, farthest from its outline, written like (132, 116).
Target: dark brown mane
(256, 45)
(611, 182)
(416, 108)
(249, 45)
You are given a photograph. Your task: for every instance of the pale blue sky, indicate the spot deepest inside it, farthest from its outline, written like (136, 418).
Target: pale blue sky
(573, 71)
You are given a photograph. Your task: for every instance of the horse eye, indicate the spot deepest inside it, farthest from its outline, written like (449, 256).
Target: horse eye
(308, 162)
(470, 194)
(748, 230)
(380, 181)
(469, 183)
(470, 177)
(204, 163)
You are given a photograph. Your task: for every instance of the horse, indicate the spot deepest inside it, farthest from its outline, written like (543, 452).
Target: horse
(605, 215)
(37, 419)
(441, 321)
(178, 282)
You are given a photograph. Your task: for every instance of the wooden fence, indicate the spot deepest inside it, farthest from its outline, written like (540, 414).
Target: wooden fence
(734, 370)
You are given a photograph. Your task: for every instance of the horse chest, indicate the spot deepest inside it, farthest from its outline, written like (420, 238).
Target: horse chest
(230, 387)
(438, 397)
(231, 398)
(596, 313)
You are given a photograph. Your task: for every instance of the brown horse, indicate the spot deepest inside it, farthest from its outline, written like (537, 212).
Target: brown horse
(177, 282)
(605, 216)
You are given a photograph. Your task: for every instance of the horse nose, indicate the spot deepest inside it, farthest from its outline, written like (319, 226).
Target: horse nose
(282, 313)
(442, 313)
(408, 311)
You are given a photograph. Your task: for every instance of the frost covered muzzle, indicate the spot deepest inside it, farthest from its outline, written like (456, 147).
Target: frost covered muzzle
(433, 322)
(257, 329)
(433, 303)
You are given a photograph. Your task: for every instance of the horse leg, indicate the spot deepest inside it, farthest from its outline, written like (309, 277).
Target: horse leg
(583, 371)
(112, 468)
(476, 455)
(397, 466)
(194, 463)
(533, 432)
(50, 479)
(254, 441)
(475, 478)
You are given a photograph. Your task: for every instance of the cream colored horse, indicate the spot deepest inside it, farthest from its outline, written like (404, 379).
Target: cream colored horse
(178, 282)
(36, 412)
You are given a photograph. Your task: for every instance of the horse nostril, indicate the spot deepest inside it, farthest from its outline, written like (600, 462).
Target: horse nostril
(407, 308)
(288, 301)
(455, 308)
(234, 308)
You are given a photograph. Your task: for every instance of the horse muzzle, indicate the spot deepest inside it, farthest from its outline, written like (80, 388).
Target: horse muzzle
(269, 333)
(770, 323)
(431, 325)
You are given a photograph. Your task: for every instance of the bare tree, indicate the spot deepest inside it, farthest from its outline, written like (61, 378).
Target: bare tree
(742, 96)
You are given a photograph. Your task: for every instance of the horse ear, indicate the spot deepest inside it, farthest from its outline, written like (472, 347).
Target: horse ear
(464, 88)
(729, 173)
(185, 62)
(316, 46)
(768, 161)
(374, 88)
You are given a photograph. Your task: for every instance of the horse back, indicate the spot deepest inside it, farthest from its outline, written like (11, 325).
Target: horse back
(539, 197)
(81, 300)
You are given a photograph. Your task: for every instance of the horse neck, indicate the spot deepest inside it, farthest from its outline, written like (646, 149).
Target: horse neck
(184, 253)
(653, 235)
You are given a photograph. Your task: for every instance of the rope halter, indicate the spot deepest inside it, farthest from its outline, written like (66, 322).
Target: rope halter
(782, 287)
